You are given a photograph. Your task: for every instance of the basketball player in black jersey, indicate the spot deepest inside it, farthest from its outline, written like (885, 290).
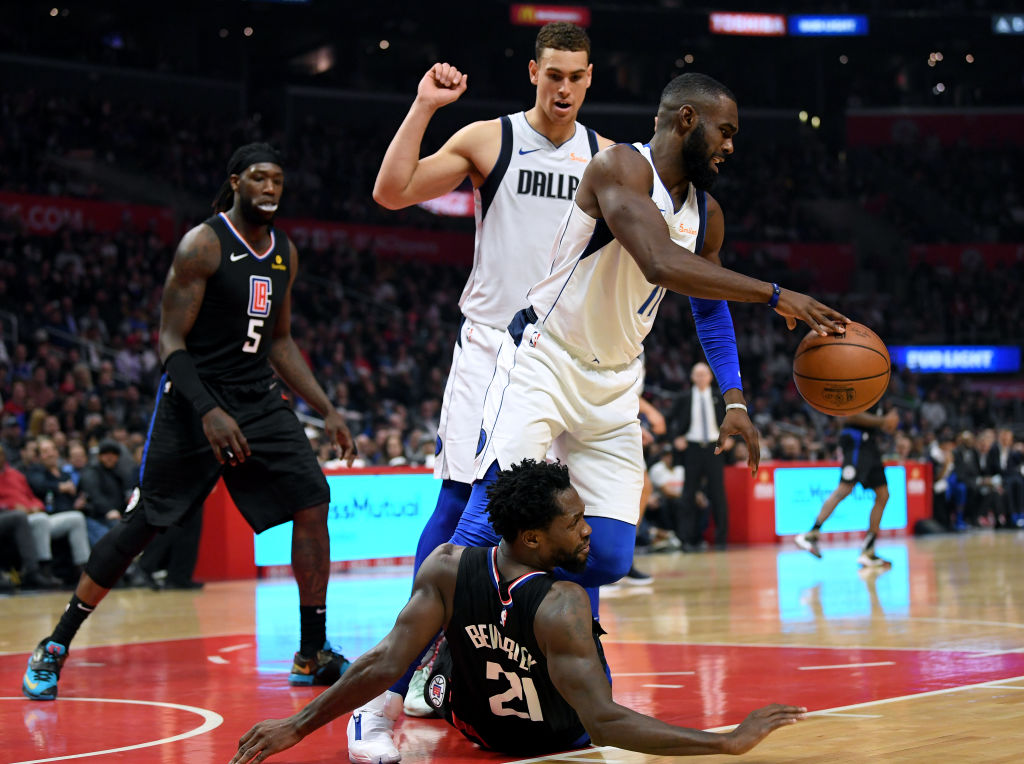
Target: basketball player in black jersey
(862, 463)
(225, 328)
(525, 673)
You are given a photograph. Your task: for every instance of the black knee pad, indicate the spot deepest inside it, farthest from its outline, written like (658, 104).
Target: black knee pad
(114, 552)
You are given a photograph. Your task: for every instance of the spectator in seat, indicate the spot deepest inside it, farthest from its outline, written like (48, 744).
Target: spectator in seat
(105, 491)
(17, 504)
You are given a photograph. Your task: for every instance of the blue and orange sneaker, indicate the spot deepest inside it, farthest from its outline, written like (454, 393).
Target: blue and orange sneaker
(324, 668)
(40, 680)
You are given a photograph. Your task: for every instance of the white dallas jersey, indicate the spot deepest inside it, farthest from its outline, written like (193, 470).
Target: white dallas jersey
(596, 300)
(518, 211)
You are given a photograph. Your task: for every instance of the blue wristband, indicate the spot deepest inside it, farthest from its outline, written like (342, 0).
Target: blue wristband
(776, 291)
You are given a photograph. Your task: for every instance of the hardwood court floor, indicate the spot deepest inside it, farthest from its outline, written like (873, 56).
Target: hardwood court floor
(922, 663)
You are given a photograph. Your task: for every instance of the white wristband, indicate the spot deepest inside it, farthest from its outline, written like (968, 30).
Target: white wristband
(735, 406)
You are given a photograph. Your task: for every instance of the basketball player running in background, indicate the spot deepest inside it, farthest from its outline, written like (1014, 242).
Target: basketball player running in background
(862, 463)
(524, 168)
(569, 370)
(487, 598)
(225, 327)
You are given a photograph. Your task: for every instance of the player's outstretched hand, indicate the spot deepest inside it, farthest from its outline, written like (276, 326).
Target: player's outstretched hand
(441, 85)
(338, 432)
(737, 422)
(821, 318)
(760, 723)
(266, 738)
(226, 439)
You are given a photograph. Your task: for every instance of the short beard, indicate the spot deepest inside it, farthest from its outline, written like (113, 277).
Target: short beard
(573, 564)
(252, 215)
(697, 159)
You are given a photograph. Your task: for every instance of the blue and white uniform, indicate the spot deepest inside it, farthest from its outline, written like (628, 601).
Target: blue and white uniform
(569, 372)
(518, 211)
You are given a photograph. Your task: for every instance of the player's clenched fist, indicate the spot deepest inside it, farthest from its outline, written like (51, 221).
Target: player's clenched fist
(442, 84)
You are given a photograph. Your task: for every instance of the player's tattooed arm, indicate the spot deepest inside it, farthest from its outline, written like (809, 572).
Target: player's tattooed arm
(196, 259)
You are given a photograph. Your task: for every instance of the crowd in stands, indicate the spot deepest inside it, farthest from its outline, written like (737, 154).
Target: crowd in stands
(332, 165)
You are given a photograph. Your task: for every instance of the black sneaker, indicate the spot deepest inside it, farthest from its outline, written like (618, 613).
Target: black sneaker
(325, 668)
(40, 680)
(637, 578)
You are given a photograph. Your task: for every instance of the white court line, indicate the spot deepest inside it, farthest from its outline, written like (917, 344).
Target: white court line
(233, 648)
(616, 674)
(793, 646)
(575, 755)
(855, 716)
(845, 665)
(217, 659)
(95, 645)
(993, 653)
(665, 686)
(211, 720)
(1004, 686)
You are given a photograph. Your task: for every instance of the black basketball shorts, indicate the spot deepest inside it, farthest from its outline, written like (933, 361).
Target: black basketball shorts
(280, 477)
(862, 462)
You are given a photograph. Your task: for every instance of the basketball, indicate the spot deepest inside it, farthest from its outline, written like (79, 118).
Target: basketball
(842, 374)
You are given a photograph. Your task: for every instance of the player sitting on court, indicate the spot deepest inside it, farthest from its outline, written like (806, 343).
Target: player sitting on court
(548, 693)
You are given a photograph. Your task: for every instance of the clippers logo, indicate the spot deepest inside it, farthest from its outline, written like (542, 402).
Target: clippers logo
(436, 691)
(534, 339)
(849, 473)
(259, 296)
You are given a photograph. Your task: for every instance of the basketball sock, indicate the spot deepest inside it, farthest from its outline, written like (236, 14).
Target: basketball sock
(313, 629)
(443, 520)
(74, 615)
(816, 527)
(869, 542)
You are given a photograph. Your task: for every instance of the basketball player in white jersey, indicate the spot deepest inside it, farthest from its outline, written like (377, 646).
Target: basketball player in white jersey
(569, 370)
(524, 168)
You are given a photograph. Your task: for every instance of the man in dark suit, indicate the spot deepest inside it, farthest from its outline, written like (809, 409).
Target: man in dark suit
(695, 416)
(1004, 464)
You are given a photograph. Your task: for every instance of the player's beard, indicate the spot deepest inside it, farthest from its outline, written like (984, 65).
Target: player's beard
(697, 159)
(573, 562)
(252, 214)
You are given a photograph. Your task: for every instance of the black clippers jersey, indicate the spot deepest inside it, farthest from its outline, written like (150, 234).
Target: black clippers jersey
(501, 694)
(230, 340)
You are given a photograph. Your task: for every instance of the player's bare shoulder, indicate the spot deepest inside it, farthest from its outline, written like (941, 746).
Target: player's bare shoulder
(564, 612)
(198, 254)
(480, 143)
(619, 166)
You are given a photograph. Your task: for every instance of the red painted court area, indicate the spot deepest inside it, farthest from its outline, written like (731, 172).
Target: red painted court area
(189, 700)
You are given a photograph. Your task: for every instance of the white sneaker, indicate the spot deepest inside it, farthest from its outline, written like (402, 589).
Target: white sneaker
(415, 704)
(809, 542)
(869, 559)
(371, 731)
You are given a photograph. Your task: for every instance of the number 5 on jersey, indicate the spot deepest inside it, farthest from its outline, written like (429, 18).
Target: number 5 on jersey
(259, 309)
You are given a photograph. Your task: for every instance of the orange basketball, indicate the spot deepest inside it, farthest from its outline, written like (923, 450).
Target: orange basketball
(842, 374)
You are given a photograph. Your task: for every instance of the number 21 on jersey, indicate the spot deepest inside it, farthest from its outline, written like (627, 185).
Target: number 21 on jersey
(259, 309)
(518, 688)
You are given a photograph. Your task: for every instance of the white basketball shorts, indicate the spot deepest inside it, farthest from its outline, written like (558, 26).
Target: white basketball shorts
(458, 431)
(542, 396)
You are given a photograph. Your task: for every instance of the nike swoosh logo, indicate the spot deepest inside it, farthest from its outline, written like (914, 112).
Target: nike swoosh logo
(528, 152)
(235, 258)
(321, 610)
(30, 684)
